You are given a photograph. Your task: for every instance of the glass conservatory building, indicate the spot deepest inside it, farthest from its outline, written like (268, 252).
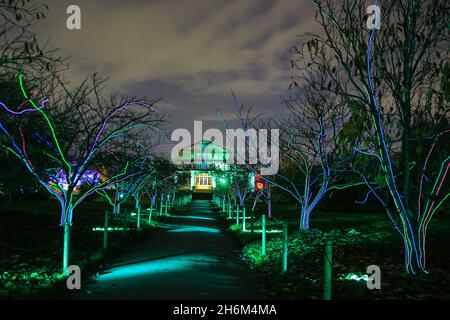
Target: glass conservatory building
(207, 167)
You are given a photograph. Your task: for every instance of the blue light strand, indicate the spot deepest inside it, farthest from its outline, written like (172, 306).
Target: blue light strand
(384, 144)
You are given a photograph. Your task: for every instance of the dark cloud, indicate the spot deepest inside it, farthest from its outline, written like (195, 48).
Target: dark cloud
(190, 53)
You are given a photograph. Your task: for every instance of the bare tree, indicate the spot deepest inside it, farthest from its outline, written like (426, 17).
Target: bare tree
(308, 146)
(76, 131)
(393, 80)
(19, 47)
(311, 153)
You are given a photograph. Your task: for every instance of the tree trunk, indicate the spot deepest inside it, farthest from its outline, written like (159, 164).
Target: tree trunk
(304, 214)
(117, 208)
(405, 159)
(166, 205)
(304, 218)
(414, 255)
(161, 203)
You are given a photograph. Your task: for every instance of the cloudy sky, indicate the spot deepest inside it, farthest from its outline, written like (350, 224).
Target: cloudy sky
(190, 53)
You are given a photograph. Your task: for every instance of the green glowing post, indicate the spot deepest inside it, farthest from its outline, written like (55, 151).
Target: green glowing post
(328, 260)
(139, 217)
(285, 248)
(66, 249)
(165, 206)
(237, 215)
(150, 213)
(105, 232)
(223, 205)
(229, 209)
(243, 219)
(160, 208)
(263, 233)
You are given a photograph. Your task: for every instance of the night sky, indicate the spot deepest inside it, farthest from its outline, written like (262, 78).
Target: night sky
(190, 53)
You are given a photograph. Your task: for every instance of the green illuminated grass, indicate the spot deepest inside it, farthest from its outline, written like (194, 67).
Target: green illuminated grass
(31, 245)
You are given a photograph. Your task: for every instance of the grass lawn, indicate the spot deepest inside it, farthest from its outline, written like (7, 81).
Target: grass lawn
(359, 240)
(31, 244)
(31, 251)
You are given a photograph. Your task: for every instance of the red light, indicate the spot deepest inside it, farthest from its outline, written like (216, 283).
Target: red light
(259, 186)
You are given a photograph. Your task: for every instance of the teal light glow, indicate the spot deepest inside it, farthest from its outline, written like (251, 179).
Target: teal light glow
(354, 277)
(260, 231)
(163, 265)
(251, 177)
(223, 180)
(194, 218)
(194, 229)
(213, 181)
(192, 179)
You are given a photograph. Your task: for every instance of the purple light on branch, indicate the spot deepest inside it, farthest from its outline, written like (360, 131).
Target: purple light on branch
(17, 113)
(109, 116)
(91, 177)
(103, 126)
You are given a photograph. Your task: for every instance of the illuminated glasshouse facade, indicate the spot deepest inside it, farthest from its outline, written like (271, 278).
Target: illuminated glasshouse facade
(205, 165)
